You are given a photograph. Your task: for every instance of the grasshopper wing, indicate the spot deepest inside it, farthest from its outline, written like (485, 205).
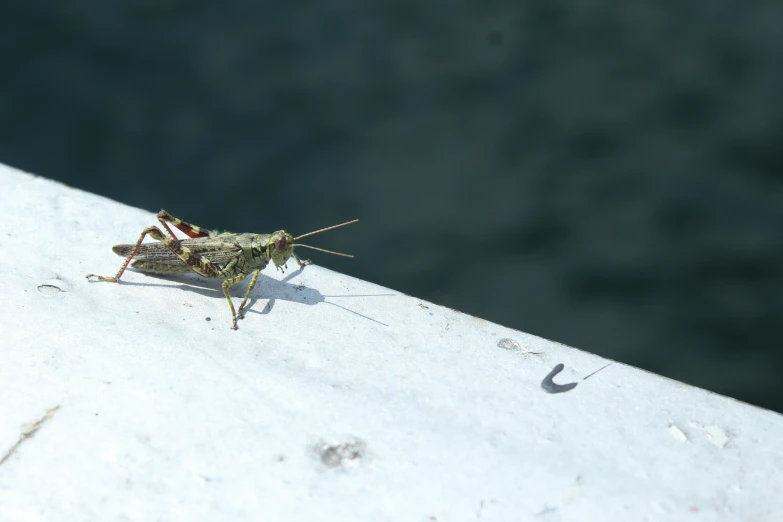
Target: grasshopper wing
(157, 258)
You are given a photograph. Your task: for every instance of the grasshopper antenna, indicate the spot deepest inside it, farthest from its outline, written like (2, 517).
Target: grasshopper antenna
(324, 230)
(323, 250)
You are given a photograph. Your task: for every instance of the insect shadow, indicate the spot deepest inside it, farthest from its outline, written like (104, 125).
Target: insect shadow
(302, 294)
(267, 288)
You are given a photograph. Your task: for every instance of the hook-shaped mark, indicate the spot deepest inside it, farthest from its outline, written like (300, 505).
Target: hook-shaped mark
(550, 386)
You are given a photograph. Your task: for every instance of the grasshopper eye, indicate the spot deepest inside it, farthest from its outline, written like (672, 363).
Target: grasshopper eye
(280, 244)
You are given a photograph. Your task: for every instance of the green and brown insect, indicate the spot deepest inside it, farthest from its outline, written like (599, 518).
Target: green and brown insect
(220, 255)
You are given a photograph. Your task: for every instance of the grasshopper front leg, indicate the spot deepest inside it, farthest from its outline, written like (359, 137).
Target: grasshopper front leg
(302, 263)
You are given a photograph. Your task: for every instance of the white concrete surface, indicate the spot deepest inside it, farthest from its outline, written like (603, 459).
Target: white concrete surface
(383, 407)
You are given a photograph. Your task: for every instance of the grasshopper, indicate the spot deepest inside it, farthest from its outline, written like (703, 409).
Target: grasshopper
(221, 255)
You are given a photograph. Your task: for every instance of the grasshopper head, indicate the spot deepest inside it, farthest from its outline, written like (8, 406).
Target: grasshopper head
(280, 247)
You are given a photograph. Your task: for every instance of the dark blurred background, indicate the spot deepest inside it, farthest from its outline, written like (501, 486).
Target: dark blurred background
(606, 174)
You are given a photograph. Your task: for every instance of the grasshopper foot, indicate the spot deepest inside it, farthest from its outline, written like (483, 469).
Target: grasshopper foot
(302, 262)
(110, 279)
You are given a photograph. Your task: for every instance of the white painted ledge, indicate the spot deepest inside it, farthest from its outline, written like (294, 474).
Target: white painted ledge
(383, 407)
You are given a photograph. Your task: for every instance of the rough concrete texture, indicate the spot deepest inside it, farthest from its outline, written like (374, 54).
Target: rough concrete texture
(336, 399)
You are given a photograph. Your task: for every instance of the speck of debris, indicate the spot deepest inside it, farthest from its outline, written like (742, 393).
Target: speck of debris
(513, 346)
(423, 306)
(208, 318)
(550, 386)
(49, 290)
(509, 344)
(347, 454)
(27, 432)
(52, 287)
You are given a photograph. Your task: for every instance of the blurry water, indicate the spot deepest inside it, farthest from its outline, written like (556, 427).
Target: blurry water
(607, 175)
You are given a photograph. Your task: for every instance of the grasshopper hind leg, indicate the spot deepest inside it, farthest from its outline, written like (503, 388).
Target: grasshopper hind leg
(188, 229)
(190, 259)
(152, 231)
(152, 267)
